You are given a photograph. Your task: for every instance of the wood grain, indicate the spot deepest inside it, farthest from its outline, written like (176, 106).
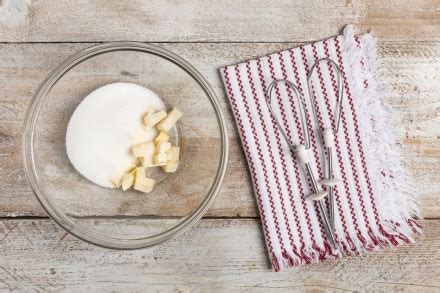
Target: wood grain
(218, 21)
(218, 256)
(410, 69)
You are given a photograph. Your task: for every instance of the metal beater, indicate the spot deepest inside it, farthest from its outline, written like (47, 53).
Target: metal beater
(302, 152)
(328, 134)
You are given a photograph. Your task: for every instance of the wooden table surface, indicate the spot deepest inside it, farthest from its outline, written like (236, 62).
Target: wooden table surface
(225, 251)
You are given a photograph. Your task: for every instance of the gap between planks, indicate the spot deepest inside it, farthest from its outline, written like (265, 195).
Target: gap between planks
(211, 42)
(33, 218)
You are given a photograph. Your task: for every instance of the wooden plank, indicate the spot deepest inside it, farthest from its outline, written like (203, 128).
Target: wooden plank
(218, 255)
(409, 68)
(195, 21)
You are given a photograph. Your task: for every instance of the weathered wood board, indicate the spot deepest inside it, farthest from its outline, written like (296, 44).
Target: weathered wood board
(221, 255)
(219, 21)
(225, 253)
(410, 70)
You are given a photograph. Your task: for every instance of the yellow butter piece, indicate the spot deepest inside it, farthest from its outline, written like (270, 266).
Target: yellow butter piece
(162, 137)
(173, 154)
(117, 180)
(143, 183)
(143, 149)
(162, 147)
(170, 167)
(151, 119)
(128, 180)
(160, 159)
(168, 122)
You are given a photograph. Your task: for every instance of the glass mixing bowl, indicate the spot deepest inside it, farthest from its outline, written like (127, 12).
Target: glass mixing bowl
(110, 217)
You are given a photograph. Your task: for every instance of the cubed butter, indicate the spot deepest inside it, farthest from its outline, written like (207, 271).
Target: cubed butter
(117, 180)
(142, 183)
(151, 119)
(147, 162)
(173, 154)
(168, 122)
(128, 180)
(162, 137)
(170, 167)
(145, 149)
(162, 147)
(160, 159)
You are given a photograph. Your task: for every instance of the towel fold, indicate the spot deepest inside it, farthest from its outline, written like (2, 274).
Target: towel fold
(374, 205)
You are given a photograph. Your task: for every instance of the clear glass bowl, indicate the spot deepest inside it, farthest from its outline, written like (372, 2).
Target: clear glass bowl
(110, 217)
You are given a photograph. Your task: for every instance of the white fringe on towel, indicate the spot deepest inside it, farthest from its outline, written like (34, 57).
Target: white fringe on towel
(395, 192)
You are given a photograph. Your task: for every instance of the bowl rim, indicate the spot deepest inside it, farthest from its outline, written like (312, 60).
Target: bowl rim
(29, 159)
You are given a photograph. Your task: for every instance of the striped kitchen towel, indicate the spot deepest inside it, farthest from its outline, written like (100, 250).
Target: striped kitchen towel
(374, 200)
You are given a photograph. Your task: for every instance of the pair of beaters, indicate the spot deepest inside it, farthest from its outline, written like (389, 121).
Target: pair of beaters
(326, 138)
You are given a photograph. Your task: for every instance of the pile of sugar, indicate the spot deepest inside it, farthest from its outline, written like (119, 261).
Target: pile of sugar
(102, 128)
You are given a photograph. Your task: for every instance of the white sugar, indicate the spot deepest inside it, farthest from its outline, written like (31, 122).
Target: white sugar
(102, 128)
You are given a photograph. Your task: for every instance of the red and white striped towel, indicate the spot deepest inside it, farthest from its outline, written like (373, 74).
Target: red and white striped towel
(374, 204)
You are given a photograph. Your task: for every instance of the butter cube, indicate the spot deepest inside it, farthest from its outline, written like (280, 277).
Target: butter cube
(168, 122)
